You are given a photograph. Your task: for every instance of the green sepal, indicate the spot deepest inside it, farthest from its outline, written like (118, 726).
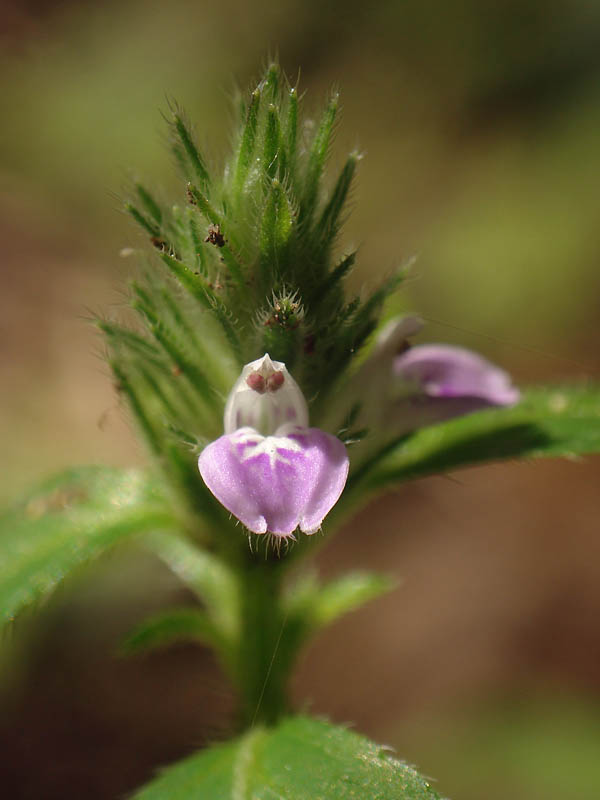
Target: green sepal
(271, 82)
(187, 153)
(146, 223)
(275, 232)
(271, 144)
(291, 132)
(330, 220)
(247, 144)
(150, 204)
(317, 158)
(197, 198)
(192, 282)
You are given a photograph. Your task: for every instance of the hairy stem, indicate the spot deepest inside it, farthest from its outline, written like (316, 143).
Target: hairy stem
(262, 677)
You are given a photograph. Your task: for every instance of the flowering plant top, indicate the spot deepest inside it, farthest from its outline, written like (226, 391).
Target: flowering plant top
(275, 474)
(273, 400)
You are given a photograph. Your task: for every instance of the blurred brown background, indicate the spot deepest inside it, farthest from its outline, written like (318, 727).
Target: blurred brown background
(480, 123)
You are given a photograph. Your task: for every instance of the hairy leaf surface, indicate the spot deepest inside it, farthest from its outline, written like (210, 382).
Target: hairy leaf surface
(562, 421)
(300, 759)
(68, 521)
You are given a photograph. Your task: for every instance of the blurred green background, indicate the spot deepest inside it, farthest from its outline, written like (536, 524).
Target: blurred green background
(480, 124)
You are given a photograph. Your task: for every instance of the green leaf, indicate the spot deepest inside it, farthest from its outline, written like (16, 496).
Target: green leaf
(68, 521)
(300, 759)
(561, 421)
(208, 576)
(321, 605)
(310, 607)
(175, 625)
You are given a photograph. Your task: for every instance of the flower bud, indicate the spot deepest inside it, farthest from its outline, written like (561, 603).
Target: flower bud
(264, 397)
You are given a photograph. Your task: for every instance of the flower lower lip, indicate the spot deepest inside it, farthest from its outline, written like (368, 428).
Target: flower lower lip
(276, 483)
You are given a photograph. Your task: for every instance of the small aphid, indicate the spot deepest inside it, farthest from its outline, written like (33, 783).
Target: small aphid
(215, 236)
(158, 242)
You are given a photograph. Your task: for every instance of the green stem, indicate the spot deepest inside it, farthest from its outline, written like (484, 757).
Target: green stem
(262, 676)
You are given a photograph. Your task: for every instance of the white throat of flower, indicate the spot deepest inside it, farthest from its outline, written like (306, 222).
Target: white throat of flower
(275, 447)
(264, 398)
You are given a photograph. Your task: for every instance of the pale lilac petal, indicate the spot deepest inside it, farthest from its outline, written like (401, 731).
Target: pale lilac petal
(327, 469)
(439, 382)
(446, 372)
(276, 483)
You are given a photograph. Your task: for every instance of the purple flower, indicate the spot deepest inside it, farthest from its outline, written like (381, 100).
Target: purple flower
(401, 388)
(437, 382)
(270, 470)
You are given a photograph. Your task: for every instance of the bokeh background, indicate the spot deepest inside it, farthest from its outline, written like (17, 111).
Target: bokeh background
(480, 124)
